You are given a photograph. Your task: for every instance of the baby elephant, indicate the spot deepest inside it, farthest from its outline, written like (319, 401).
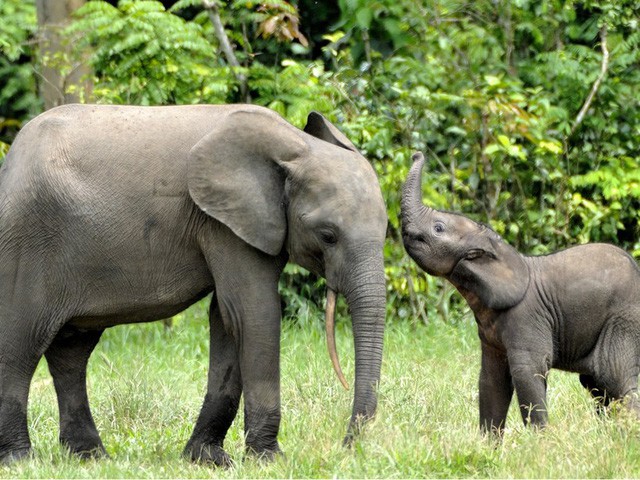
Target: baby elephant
(576, 310)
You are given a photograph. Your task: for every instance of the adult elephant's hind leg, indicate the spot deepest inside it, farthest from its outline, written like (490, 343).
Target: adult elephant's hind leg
(224, 388)
(67, 357)
(19, 356)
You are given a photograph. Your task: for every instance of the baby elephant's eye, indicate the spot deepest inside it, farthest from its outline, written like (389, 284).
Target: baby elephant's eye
(438, 227)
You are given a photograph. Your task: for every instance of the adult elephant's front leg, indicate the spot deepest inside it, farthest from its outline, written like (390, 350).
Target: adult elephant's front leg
(224, 388)
(260, 370)
(245, 352)
(260, 367)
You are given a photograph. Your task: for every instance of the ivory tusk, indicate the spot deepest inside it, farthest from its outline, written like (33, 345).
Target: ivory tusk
(330, 325)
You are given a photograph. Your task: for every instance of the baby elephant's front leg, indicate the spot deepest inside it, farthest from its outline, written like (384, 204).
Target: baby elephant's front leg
(529, 373)
(496, 390)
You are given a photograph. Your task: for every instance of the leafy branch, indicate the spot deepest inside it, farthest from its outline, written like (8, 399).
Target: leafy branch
(604, 66)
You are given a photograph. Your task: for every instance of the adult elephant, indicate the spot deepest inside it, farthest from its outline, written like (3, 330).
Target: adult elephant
(575, 310)
(123, 214)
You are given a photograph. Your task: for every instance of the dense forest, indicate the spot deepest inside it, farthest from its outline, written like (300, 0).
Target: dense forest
(528, 111)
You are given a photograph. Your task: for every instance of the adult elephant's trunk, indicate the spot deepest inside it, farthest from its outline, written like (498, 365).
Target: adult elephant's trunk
(411, 204)
(365, 292)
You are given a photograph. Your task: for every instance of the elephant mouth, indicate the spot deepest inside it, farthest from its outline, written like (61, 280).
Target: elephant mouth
(436, 269)
(330, 326)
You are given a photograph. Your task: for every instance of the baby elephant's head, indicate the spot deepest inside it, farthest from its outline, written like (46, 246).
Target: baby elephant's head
(470, 255)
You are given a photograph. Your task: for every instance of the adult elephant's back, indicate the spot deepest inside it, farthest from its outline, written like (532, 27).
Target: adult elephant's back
(141, 147)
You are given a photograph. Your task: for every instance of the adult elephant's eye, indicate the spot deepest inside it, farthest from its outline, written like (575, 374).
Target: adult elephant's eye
(328, 237)
(438, 227)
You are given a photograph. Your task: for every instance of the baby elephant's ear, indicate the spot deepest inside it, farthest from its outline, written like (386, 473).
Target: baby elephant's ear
(496, 273)
(321, 128)
(236, 174)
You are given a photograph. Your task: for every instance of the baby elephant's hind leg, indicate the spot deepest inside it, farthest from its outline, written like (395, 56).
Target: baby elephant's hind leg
(617, 369)
(67, 357)
(598, 393)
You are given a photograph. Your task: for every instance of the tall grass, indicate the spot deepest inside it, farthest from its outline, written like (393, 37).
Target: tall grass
(146, 385)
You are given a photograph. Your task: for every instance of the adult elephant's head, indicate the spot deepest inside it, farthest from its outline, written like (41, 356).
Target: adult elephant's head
(311, 193)
(471, 255)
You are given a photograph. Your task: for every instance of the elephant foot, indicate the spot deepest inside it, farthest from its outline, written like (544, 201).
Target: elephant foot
(264, 454)
(209, 454)
(349, 440)
(10, 456)
(493, 438)
(87, 453)
(85, 448)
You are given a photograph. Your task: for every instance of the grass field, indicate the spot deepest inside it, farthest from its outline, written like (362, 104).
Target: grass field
(146, 385)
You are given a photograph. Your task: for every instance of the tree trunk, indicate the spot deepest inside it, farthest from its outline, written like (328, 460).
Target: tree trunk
(225, 45)
(63, 79)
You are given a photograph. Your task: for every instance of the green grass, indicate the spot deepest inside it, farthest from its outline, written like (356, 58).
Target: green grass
(146, 385)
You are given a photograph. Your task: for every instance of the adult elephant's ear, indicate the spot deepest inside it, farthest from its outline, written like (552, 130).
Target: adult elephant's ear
(321, 128)
(495, 272)
(236, 174)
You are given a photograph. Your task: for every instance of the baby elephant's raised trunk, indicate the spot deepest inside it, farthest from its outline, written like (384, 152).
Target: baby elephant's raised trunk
(411, 204)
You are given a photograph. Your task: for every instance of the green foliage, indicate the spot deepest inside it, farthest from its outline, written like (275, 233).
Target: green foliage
(490, 90)
(613, 198)
(14, 34)
(18, 92)
(144, 55)
(294, 90)
(4, 148)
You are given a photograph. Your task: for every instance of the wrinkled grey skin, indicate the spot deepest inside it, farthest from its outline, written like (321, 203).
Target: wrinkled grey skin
(576, 310)
(119, 214)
